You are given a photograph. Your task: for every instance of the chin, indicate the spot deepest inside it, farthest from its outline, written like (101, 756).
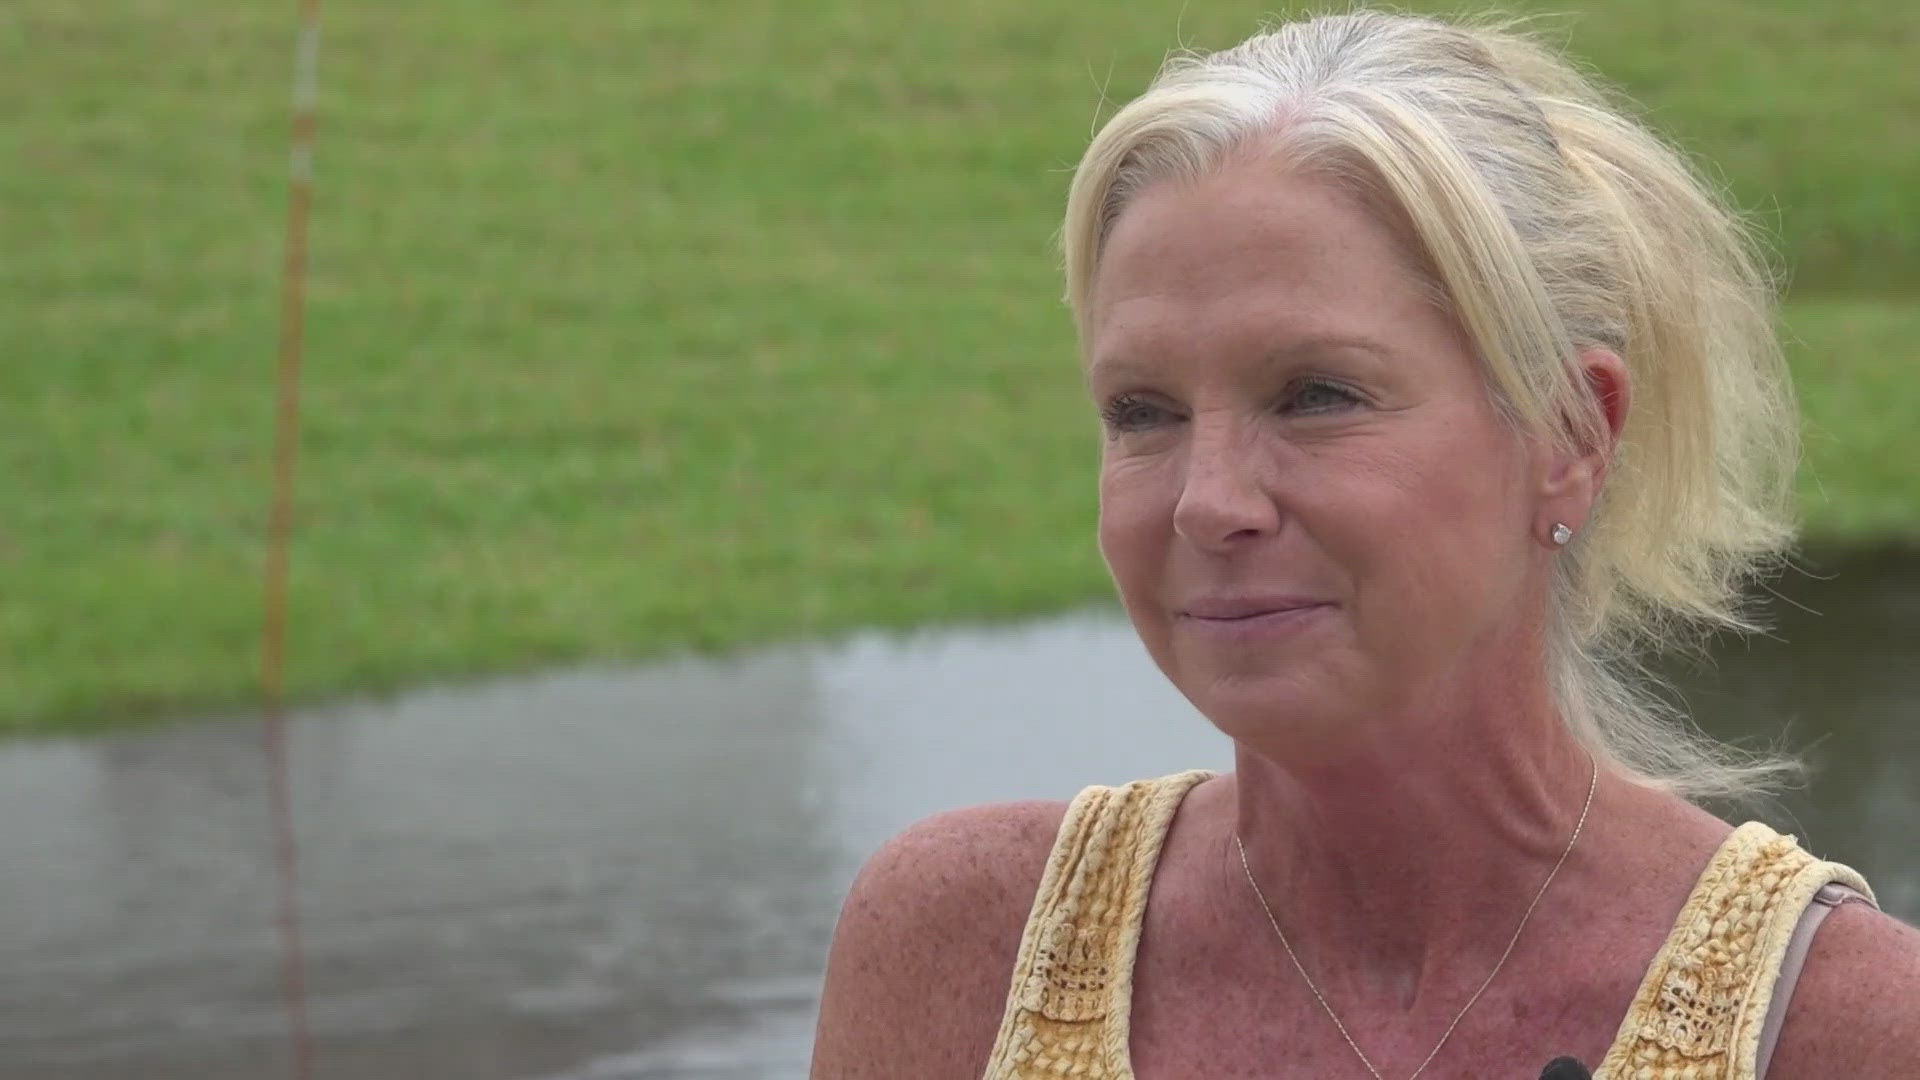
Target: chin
(1262, 708)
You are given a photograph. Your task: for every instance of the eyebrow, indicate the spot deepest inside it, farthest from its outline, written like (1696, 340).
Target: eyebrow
(1309, 345)
(1321, 343)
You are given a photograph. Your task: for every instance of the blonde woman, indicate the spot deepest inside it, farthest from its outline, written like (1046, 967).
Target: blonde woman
(1435, 391)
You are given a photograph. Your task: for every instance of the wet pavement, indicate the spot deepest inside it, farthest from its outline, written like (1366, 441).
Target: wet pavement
(610, 874)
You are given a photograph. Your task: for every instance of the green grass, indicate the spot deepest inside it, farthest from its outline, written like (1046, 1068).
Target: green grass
(637, 327)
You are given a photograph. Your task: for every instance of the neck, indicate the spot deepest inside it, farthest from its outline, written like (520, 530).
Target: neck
(1404, 863)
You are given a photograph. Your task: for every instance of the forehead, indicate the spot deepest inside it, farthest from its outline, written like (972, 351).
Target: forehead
(1254, 253)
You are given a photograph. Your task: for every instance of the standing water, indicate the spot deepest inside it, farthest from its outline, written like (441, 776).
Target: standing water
(625, 874)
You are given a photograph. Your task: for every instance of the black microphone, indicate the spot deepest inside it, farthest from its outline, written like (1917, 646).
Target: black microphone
(1565, 1068)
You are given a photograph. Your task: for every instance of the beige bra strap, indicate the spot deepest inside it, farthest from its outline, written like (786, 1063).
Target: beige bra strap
(1830, 896)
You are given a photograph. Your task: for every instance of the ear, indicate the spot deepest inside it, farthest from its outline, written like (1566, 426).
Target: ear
(1571, 480)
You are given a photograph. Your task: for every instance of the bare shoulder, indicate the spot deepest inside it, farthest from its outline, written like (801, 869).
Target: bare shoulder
(1856, 1010)
(918, 973)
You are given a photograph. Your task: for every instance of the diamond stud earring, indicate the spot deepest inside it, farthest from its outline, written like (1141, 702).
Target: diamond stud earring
(1561, 534)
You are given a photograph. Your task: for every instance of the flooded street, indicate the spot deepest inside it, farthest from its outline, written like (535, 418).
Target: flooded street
(619, 874)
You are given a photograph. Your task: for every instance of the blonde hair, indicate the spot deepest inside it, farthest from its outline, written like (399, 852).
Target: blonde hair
(1547, 222)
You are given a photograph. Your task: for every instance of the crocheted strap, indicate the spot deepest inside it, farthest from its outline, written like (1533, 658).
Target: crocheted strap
(1073, 981)
(1700, 1010)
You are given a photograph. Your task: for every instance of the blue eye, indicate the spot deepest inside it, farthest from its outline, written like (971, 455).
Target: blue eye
(1129, 413)
(1319, 395)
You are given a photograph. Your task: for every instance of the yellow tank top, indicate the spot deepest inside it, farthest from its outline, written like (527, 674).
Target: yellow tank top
(1704, 1011)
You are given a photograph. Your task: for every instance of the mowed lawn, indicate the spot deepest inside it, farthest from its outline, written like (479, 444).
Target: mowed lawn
(637, 327)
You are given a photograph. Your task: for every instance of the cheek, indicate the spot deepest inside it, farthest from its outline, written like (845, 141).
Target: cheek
(1457, 529)
(1478, 492)
(1136, 521)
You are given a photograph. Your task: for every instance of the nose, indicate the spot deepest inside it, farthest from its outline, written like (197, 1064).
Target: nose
(1223, 502)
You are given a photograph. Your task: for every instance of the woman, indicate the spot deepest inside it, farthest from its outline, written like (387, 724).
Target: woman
(1434, 392)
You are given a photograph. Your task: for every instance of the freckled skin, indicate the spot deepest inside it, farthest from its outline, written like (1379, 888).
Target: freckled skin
(1409, 505)
(1402, 777)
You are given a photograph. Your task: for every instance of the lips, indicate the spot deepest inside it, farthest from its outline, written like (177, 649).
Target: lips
(1235, 608)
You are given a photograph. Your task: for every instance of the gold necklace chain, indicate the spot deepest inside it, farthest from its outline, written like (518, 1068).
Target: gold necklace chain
(1592, 781)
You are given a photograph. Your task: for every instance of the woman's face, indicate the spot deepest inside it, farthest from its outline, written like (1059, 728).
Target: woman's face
(1312, 510)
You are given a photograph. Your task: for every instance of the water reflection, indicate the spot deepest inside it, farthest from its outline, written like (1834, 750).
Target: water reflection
(1840, 675)
(610, 875)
